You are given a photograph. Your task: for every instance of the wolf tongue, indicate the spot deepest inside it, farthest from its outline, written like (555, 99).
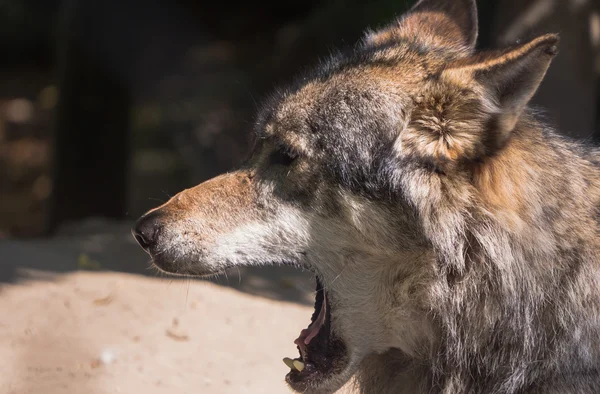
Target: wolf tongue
(309, 333)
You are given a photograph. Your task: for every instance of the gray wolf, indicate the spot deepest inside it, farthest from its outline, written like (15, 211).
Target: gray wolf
(455, 238)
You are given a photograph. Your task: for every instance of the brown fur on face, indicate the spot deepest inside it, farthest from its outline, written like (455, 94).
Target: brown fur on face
(231, 194)
(202, 213)
(457, 237)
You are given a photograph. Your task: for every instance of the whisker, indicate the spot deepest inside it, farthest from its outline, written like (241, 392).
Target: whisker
(338, 275)
(166, 194)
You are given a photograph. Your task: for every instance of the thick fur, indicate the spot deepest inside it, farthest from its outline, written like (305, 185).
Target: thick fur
(458, 237)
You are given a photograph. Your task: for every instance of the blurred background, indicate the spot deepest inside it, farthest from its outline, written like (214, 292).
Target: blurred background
(109, 107)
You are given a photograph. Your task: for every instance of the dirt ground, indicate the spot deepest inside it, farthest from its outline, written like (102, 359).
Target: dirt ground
(71, 324)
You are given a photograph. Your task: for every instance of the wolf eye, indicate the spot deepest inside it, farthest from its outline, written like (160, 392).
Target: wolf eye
(282, 156)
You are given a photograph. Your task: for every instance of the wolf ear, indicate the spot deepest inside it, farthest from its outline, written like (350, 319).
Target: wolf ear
(510, 78)
(438, 23)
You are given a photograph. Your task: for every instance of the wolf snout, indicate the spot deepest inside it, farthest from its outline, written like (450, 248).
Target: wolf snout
(146, 230)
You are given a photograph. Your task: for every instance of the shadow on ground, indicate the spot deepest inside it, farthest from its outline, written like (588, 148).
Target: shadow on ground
(107, 246)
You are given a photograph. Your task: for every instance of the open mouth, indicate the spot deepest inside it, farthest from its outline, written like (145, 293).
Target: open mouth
(322, 353)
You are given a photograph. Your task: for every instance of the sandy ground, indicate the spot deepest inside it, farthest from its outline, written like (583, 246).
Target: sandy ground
(68, 330)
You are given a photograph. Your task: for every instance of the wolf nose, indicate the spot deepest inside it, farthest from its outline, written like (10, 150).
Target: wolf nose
(145, 231)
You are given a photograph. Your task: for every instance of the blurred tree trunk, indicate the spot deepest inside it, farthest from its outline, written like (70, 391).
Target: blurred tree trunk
(569, 94)
(91, 135)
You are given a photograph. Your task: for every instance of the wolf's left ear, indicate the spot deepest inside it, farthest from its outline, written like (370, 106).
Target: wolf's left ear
(451, 24)
(509, 78)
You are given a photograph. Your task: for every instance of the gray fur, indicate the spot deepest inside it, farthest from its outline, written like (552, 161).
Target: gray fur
(457, 235)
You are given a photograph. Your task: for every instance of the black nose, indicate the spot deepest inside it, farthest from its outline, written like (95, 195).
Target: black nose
(146, 230)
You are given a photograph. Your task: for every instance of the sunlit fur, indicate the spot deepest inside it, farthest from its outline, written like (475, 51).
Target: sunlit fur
(457, 236)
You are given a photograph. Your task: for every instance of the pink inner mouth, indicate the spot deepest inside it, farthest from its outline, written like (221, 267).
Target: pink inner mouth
(322, 353)
(312, 331)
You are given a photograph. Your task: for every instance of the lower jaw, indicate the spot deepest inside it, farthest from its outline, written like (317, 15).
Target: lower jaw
(164, 265)
(316, 374)
(324, 357)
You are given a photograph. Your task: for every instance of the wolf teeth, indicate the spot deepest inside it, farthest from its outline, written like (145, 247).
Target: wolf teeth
(294, 364)
(299, 365)
(289, 362)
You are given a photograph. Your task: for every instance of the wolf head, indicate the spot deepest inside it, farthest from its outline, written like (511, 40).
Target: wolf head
(363, 172)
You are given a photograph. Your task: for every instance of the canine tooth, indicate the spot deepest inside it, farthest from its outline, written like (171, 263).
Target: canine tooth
(289, 362)
(299, 365)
